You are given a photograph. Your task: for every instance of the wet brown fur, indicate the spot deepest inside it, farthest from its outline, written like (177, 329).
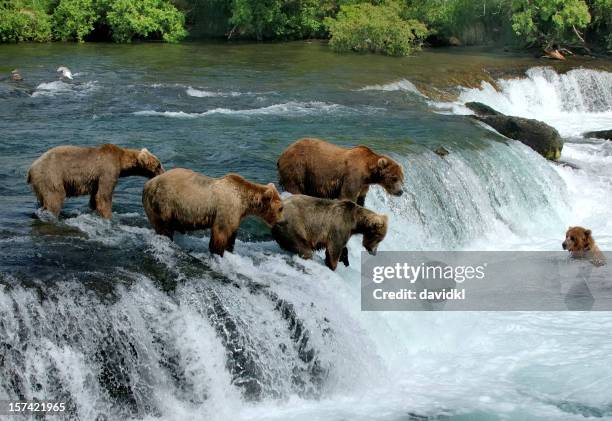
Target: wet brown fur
(183, 200)
(580, 243)
(68, 171)
(310, 224)
(317, 168)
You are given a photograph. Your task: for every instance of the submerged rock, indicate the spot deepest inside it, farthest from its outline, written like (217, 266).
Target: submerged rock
(568, 165)
(600, 134)
(441, 151)
(536, 134)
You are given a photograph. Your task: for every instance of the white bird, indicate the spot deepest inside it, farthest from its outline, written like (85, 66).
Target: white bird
(65, 72)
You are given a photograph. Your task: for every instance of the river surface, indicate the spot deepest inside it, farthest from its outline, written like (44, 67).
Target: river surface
(117, 321)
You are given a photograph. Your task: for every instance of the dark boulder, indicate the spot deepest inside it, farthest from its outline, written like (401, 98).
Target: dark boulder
(600, 134)
(481, 109)
(536, 134)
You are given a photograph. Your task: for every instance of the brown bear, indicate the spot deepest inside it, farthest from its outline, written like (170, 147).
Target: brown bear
(318, 168)
(311, 223)
(183, 200)
(580, 243)
(68, 171)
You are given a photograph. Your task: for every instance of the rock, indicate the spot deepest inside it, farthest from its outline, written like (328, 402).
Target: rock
(481, 109)
(553, 54)
(437, 40)
(599, 134)
(538, 135)
(568, 165)
(454, 42)
(441, 151)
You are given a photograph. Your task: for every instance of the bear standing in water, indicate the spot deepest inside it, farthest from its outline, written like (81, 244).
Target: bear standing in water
(310, 223)
(68, 171)
(318, 168)
(183, 200)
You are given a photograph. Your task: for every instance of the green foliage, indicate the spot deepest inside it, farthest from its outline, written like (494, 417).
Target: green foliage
(601, 13)
(43, 20)
(394, 27)
(375, 28)
(266, 19)
(469, 20)
(24, 21)
(543, 22)
(130, 19)
(74, 19)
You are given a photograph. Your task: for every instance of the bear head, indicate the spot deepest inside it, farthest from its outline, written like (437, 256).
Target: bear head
(390, 175)
(374, 231)
(577, 240)
(271, 205)
(148, 164)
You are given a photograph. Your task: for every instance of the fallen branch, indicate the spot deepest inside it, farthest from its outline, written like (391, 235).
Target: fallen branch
(578, 34)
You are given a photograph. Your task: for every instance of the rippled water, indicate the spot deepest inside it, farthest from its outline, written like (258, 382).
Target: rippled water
(116, 320)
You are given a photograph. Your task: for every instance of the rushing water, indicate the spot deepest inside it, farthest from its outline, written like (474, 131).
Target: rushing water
(115, 320)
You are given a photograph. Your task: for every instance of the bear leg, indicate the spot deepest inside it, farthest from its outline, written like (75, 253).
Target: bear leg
(344, 257)
(53, 202)
(104, 199)
(218, 241)
(167, 232)
(331, 258)
(231, 242)
(92, 198)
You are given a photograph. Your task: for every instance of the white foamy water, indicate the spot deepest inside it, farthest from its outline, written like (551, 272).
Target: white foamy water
(575, 102)
(289, 109)
(403, 85)
(59, 87)
(198, 93)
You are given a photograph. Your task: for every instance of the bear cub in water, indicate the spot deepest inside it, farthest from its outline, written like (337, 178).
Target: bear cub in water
(183, 200)
(580, 243)
(68, 171)
(320, 169)
(310, 223)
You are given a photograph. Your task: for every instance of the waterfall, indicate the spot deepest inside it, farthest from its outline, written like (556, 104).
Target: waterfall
(574, 102)
(153, 329)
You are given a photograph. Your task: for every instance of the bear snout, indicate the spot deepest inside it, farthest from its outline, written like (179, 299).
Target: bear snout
(399, 192)
(564, 245)
(373, 251)
(160, 170)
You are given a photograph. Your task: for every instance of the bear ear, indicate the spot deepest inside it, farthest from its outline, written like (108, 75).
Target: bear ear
(587, 233)
(270, 191)
(144, 152)
(383, 162)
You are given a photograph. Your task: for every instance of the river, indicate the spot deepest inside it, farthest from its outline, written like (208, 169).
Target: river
(123, 324)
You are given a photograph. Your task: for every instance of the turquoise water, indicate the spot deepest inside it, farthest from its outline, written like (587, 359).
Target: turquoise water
(119, 321)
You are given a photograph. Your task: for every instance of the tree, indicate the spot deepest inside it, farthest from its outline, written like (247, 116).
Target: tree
(74, 19)
(130, 19)
(22, 20)
(546, 22)
(375, 28)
